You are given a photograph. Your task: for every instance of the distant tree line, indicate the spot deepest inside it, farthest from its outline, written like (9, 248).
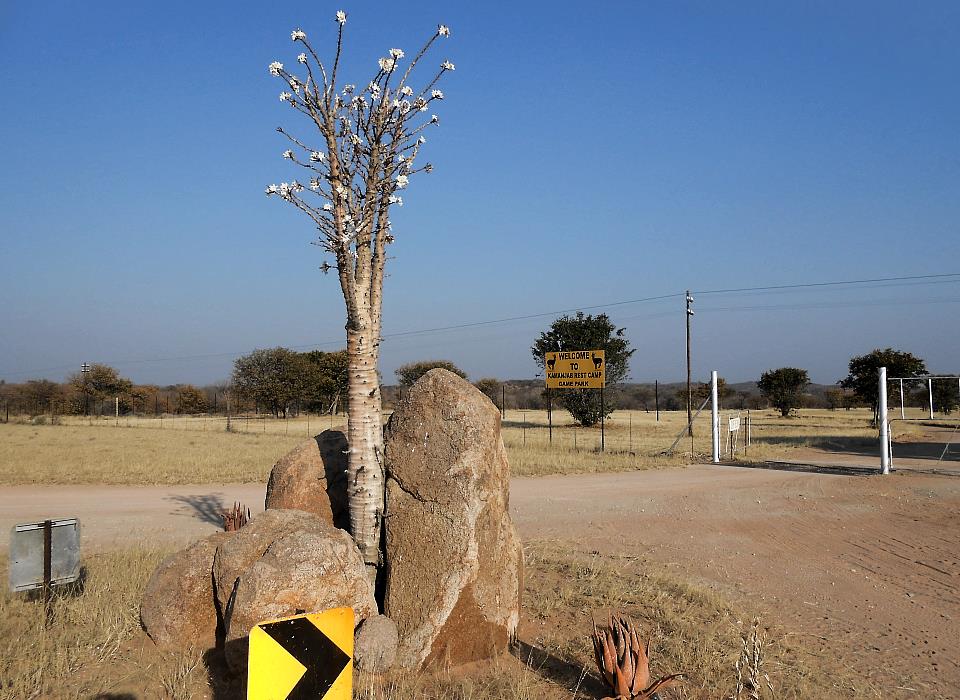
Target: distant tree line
(282, 382)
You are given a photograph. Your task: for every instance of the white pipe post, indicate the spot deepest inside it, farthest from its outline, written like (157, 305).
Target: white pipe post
(715, 417)
(930, 394)
(884, 426)
(902, 415)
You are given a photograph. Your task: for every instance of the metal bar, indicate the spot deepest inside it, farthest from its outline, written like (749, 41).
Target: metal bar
(714, 417)
(902, 415)
(47, 557)
(601, 420)
(689, 390)
(684, 429)
(884, 425)
(930, 393)
(550, 414)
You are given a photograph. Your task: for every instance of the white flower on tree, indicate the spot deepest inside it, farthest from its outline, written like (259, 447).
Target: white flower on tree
(360, 153)
(434, 119)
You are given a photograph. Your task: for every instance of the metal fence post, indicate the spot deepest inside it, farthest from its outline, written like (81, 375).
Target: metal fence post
(714, 417)
(884, 425)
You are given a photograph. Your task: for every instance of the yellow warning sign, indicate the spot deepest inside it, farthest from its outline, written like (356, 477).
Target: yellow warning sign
(575, 369)
(307, 656)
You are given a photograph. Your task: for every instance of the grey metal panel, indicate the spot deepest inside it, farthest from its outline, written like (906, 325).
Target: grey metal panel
(26, 554)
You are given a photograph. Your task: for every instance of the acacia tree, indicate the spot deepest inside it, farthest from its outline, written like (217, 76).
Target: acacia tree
(409, 373)
(864, 372)
(274, 378)
(364, 144)
(784, 387)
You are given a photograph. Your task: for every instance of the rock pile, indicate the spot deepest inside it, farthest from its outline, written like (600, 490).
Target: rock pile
(453, 561)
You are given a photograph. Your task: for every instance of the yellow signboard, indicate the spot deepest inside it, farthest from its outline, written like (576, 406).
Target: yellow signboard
(575, 369)
(307, 656)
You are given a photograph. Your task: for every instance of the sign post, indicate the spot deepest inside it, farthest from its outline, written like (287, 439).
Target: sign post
(576, 369)
(44, 554)
(550, 414)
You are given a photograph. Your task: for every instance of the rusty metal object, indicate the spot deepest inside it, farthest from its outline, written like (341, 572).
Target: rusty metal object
(624, 662)
(235, 518)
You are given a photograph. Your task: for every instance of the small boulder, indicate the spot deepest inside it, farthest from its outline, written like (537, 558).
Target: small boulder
(454, 560)
(313, 477)
(178, 607)
(314, 568)
(375, 644)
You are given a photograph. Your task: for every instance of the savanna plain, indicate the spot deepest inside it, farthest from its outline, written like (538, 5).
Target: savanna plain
(785, 582)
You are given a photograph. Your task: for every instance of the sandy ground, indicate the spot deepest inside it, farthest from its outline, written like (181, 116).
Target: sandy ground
(866, 566)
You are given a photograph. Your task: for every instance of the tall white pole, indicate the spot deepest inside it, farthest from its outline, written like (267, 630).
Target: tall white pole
(884, 425)
(715, 417)
(902, 415)
(930, 394)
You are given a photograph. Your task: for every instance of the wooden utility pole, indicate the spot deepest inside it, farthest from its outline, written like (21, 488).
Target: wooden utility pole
(689, 389)
(656, 397)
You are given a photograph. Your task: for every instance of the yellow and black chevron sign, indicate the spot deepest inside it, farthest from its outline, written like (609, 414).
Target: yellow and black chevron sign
(307, 656)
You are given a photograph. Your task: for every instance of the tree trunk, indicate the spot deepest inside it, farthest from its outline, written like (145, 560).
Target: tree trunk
(365, 437)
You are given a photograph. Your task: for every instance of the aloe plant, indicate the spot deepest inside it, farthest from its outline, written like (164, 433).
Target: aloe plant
(624, 661)
(235, 518)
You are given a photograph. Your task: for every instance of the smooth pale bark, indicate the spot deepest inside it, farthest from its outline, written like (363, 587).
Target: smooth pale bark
(365, 438)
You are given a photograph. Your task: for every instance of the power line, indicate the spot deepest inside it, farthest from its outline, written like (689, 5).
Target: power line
(893, 281)
(809, 285)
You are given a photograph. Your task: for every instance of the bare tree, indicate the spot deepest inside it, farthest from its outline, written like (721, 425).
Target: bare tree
(364, 149)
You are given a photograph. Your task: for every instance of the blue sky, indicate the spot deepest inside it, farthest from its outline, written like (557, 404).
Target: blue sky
(585, 156)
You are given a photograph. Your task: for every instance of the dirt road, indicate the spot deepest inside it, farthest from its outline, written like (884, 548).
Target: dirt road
(868, 567)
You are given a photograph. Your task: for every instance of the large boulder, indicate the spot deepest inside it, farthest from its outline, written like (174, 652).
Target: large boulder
(178, 607)
(308, 566)
(237, 554)
(455, 562)
(313, 477)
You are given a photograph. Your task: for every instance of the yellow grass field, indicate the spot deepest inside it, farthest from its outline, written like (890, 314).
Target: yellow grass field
(199, 450)
(93, 645)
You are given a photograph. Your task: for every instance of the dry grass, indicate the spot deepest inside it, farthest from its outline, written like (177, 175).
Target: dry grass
(94, 644)
(86, 649)
(74, 454)
(692, 630)
(200, 450)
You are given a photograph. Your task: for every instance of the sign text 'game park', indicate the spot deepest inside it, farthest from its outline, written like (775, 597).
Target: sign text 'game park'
(575, 369)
